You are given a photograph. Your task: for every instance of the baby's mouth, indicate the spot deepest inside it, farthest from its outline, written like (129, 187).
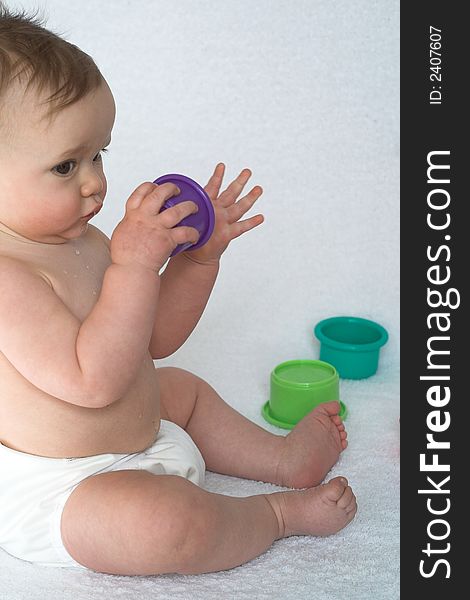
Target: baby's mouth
(93, 213)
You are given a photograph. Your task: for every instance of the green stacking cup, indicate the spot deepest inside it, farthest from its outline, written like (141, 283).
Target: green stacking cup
(297, 387)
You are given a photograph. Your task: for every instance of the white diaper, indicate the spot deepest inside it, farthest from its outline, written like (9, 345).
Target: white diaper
(34, 490)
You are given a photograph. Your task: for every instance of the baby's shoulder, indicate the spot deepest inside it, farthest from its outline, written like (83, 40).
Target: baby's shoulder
(10, 265)
(10, 262)
(17, 272)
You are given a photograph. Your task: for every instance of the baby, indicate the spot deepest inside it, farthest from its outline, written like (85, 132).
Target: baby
(102, 456)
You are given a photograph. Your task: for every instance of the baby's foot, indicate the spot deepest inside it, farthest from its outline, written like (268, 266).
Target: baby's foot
(319, 511)
(312, 447)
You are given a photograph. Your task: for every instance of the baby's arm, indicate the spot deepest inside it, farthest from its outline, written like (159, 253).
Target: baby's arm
(184, 291)
(89, 364)
(92, 363)
(188, 280)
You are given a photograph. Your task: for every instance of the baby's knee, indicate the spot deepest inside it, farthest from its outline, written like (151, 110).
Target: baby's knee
(182, 523)
(172, 375)
(173, 379)
(131, 523)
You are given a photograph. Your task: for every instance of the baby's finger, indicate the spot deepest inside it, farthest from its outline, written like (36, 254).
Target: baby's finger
(242, 227)
(237, 210)
(153, 202)
(213, 185)
(183, 235)
(170, 217)
(228, 196)
(137, 196)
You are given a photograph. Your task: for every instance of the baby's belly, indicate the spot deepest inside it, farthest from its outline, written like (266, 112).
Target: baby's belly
(33, 422)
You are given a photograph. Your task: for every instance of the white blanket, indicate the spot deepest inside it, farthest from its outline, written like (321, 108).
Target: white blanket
(359, 563)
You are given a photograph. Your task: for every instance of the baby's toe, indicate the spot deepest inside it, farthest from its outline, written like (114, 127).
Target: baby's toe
(337, 420)
(335, 488)
(331, 408)
(351, 509)
(346, 498)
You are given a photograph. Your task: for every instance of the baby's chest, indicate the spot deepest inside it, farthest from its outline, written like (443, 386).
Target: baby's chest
(78, 280)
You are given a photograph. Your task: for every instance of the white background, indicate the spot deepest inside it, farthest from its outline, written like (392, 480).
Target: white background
(305, 94)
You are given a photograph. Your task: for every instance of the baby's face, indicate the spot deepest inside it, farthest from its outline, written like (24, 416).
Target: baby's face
(51, 173)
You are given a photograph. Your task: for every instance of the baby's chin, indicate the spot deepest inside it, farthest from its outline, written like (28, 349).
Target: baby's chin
(74, 233)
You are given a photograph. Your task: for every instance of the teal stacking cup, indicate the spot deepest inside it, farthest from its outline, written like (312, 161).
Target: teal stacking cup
(297, 387)
(351, 344)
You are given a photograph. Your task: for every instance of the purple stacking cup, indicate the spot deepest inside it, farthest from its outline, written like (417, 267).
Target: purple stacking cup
(203, 220)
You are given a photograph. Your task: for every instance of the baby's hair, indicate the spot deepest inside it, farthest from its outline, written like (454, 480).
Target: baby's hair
(31, 54)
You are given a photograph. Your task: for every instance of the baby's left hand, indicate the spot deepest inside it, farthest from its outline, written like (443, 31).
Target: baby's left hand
(228, 213)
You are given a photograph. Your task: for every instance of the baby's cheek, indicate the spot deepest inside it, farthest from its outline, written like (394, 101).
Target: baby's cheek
(105, 186)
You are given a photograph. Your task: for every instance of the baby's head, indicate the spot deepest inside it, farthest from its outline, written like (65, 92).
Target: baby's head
(56, 116)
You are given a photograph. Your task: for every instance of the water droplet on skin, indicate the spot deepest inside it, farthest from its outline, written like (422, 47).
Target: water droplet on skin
(75, 276)
(87, 266)
(94, 292)
(66, 272)
(77, 252)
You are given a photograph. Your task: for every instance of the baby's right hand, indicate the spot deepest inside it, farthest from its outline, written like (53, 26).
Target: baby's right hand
(147, 237)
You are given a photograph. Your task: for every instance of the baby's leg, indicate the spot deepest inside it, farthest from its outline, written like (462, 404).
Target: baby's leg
(233, 445)
(137, 523)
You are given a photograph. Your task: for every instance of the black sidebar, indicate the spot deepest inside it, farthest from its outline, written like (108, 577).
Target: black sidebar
(435, 332)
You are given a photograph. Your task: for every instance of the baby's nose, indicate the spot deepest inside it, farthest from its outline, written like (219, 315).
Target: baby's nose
(92, 185)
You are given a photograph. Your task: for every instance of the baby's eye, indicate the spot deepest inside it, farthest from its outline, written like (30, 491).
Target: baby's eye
(99, 156)
(64, 168)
